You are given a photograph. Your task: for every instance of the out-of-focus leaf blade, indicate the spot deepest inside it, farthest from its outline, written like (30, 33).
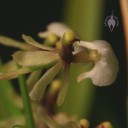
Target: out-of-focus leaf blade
(8, 106)
(11, 122)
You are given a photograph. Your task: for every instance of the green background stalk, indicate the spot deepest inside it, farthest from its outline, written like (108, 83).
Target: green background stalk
(85, 17)
(26, 102)
(84, 99)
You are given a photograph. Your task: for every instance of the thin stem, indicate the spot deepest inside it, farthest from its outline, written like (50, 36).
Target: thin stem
(26, 102)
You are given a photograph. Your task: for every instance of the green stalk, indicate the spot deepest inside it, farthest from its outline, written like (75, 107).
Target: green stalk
(85, 18)
(83, 99)
(26, 102)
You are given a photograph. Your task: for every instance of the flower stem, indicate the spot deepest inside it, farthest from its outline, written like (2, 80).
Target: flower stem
(26, 102)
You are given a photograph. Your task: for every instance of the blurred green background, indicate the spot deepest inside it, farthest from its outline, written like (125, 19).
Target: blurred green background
(86, 17)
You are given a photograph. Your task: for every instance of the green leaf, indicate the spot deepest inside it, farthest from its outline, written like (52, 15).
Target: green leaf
(11, 122)
(8, 107)
(34, 58)
(8, 104)
(18, 126)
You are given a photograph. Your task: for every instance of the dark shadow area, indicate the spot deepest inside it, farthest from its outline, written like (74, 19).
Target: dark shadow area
(110, 101)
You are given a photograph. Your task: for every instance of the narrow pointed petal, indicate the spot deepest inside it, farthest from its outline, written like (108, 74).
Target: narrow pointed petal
(64, 88)
(16, 73)
(32, 42)
(34, 58)
(39, 88)
(32, 79)
(14, 43)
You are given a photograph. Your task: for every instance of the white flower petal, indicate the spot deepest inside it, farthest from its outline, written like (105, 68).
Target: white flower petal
(86, 44)
(105, 70)
(56, 28)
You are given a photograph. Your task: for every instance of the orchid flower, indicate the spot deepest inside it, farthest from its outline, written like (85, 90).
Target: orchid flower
(41, 58)
(59, 59)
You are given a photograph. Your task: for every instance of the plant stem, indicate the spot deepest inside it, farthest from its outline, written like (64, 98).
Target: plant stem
(26, 102)
(85, 17)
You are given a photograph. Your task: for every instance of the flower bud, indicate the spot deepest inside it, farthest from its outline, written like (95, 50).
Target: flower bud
(55, 85)
(105, 125)
(84, 123)
(68, 38)
(51, 39)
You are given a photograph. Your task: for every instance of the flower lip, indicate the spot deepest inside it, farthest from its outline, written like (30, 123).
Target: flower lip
(106, 68)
